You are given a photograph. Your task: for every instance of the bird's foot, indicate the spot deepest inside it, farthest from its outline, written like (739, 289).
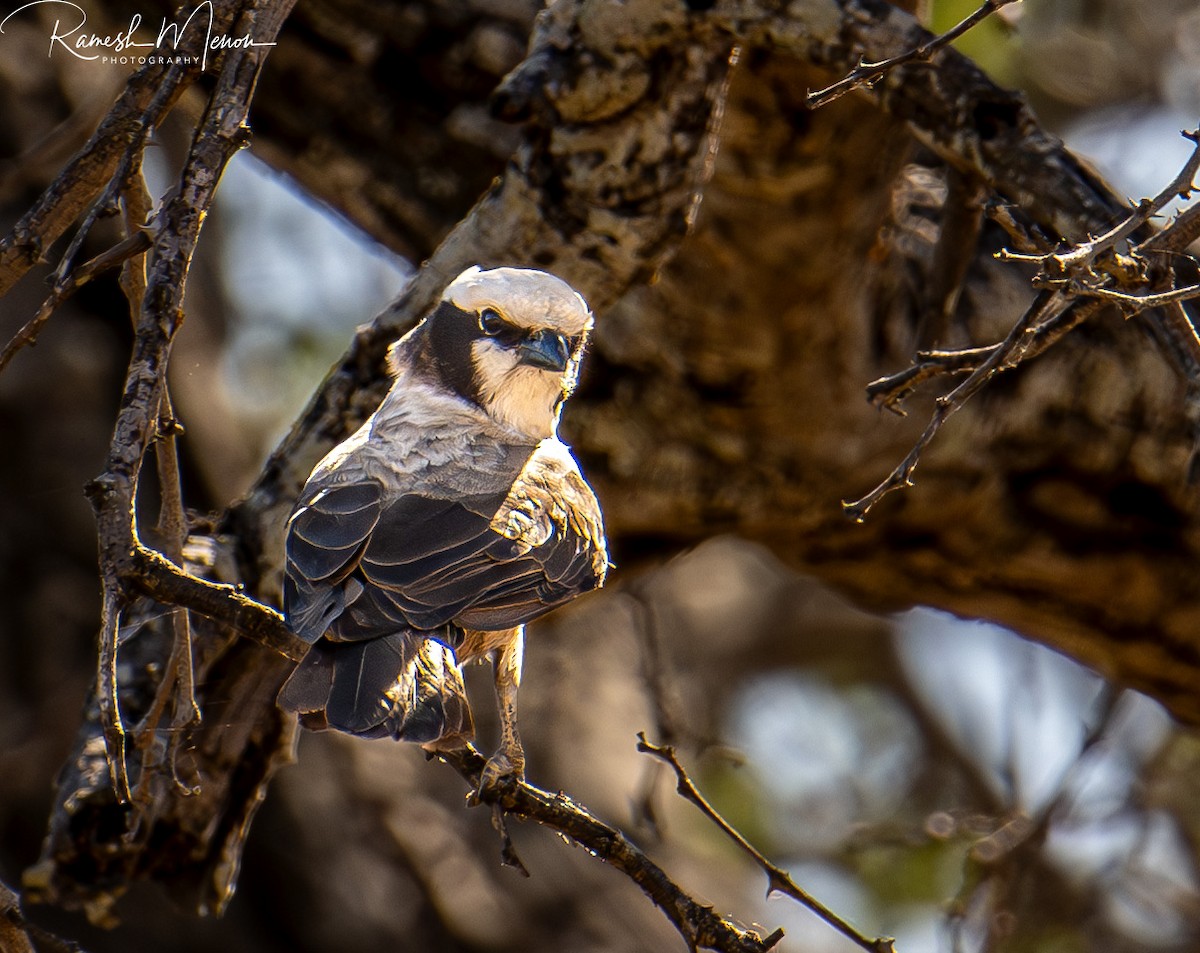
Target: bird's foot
(500, 768)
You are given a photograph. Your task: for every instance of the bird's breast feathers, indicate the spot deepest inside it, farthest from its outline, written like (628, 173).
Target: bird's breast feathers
(422, 439)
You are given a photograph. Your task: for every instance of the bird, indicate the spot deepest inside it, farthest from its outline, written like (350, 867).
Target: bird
(449, 520)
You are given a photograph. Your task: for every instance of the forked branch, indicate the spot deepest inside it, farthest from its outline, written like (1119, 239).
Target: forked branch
(778, 879)
(1076, 282)
(698, 923)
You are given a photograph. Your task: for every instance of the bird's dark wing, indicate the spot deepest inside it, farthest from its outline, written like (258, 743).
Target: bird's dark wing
(487, 562)
(360, 566)
(325, 540)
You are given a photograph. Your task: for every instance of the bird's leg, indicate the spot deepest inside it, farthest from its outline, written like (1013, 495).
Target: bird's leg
(509, 759)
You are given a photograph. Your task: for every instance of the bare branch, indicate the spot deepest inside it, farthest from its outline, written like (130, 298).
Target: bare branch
(888, 392)
(1081, 259)
(136, 244)
(1065, 275)
(778, 879)
(165, 582)
(1176, 235)
(1011, 352)
(148, 97)
(1130, 303)
(698, 923)
(221, 134)
(867, 74)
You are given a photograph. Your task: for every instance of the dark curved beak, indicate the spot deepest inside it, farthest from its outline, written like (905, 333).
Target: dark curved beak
(545, 349)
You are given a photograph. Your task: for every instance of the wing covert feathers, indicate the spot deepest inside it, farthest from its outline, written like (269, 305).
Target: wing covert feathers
(383, 579)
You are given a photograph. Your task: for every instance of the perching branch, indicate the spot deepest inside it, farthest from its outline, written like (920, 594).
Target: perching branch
(698, 923)
(778, 879)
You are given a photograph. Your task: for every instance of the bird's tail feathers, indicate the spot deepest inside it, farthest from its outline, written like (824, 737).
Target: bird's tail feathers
(404, 686)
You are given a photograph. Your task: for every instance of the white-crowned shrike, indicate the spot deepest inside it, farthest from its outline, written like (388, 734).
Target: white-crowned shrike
(450, 519)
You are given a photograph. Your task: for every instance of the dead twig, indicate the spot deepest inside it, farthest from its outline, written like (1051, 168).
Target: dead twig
(220, 134)
(888, 392)
(1130, 303)
(1012, 351)
(1081, 260)
(698, 923)
(778, 879)
(1176, 235)
(136, 244)
(148, 96)
(867, 74)
(1088, 270)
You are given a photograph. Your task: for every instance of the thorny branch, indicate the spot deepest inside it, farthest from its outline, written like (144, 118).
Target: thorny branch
(699, 924)
(889, 392)
(1009, 354)
(1068, 277)
(867, 74)
(778, 879)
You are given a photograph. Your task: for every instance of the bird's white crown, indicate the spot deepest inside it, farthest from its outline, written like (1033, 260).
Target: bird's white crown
(526, 296)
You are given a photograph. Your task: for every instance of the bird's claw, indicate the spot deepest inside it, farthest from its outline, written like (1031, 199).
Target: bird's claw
(499, 769)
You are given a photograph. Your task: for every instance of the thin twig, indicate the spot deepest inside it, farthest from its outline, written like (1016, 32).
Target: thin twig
(1065, 277)
(1130, 303)
(778, 879)
(1011, 352)
(508, 852)
(136, 244)
(888, 392)
(108, 693)
(698, 923)
(867, 74)
(1177, 235)
(1082, 257)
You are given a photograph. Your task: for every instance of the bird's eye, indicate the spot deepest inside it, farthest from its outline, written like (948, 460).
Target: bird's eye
(490, 322)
